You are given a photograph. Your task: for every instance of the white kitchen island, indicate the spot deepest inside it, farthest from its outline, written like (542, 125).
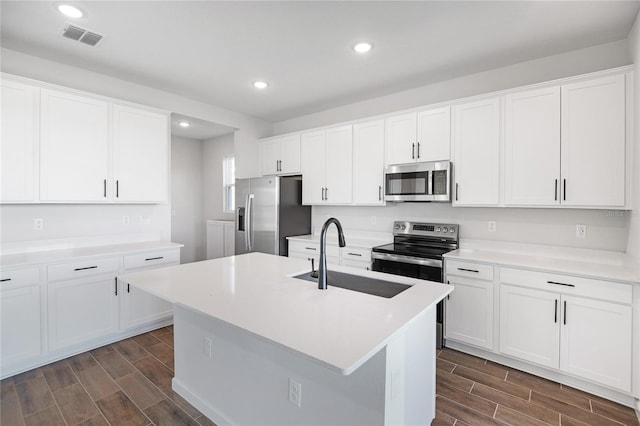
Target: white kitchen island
(254, 346)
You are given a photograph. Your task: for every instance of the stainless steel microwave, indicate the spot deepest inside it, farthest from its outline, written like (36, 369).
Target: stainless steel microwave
(429, 181)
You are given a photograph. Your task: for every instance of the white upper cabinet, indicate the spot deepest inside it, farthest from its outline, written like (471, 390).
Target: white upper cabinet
(327, 166)
(74, 148)
(532, 148)
(476, 143)
(141, 155)
(18, 146)
(280, 156)
(593, 142)
(368, 163)
(421, 136)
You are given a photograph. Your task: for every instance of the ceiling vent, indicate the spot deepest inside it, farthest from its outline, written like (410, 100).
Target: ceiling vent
(81, 35)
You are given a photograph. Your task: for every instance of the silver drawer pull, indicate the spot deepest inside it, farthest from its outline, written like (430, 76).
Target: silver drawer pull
(154, 258)
(88, 267)
(557, 283)
(354, 254)
(5, 279)
(310, 248)
(468, 270)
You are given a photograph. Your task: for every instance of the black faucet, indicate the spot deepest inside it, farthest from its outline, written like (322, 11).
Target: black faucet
(322, 268)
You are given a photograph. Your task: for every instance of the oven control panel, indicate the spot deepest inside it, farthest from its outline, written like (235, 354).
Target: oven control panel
(443, 230)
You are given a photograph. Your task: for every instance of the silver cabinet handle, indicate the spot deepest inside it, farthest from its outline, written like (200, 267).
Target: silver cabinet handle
(564, 190)
(5, 279)
(456, 191)
(555, 313)
(154, 258)
(413, 151)
(354, 254)
(555, 197)
(379, 192)
(326, 193)
(83, 269)
(469, 270)
(565, 313)
(310, 248)
(418, 152)
(557, 283)
(117, 188)
(104, 188)
(116, 285)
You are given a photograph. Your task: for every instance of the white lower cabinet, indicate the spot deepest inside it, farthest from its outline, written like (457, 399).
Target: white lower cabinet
(469, 309)
(81, 310)
(580, 326)
(352, 256)
(20, 315)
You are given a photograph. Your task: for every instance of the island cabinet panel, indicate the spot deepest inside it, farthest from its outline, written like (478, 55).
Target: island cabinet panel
(469, 309)
(19, 142)
(308, 250)
(141, 155)
(21, 310)
(74, 147)
(368, 163)
(476, 141)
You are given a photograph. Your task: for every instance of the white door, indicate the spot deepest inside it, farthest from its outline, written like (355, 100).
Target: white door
(400, 141)
(141, 153)
(593, 142)
(269, 157)
(368, 163)
(588, 325)
(529, 325)
(142, 308)
(19, 141)
(532, 148)
(477, 153)
(20, 328)
(74, 147)
(339, 160)
(313, 166)
(434, 135)
(469, 311)
(290, 154)
(81, 310)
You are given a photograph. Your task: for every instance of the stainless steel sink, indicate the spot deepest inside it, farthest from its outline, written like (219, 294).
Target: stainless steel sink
(359, 283)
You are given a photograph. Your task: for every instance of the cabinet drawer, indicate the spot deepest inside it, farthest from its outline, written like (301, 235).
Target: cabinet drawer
(469, 269)
(596, 289)
(20, 276)
(80, 269)
(151, 258)
(356, 253)
(312, 248)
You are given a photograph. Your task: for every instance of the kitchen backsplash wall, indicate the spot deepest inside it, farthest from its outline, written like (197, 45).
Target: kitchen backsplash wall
(606, 229)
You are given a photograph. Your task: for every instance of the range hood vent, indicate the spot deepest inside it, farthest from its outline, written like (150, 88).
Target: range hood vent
(80, 34)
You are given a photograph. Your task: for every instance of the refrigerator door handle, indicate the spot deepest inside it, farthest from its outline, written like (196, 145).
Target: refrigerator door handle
(249, 220)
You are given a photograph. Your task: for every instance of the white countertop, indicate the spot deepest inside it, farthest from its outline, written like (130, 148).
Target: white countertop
(583, 263)
(29, 258)
(332, 239)
(338, 328)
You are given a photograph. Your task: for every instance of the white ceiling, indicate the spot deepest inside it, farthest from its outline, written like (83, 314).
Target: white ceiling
(213, 50)
(198, 129)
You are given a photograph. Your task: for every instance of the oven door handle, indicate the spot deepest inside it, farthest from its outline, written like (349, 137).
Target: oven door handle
(407, 259)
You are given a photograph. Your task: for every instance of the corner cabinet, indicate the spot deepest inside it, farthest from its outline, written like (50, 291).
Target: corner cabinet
(19, 142)
(280, 156)
(476, 163)
(141, 155)
(368, 163)
(327, 165)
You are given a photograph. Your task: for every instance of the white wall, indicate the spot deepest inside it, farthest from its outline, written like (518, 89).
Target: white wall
(213, 152)
(187, 223)
(633, 244)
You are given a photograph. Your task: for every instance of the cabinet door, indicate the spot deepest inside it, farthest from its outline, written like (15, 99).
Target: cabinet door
(74, 142)
(593, 142)
(20, 309)
(529, 325)
(477, 153)
(400, 139)
(269, 157)
(368, 163)
(19, 117)
(591, 324)
(290, 155)
(532, 148)
(313, 164)
(469, 311)
(141, 155)
(141, 308)
(81, 310)
(339, 160)
(434, 135)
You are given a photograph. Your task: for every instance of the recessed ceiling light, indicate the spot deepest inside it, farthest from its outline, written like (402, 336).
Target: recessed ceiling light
(70, 11)
(260, 84)
(184, 124)
(362, 47)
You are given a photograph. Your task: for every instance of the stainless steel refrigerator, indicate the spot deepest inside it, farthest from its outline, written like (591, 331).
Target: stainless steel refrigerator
(269, 209)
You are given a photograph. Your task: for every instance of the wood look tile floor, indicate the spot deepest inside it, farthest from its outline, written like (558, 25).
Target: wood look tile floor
(129, 383)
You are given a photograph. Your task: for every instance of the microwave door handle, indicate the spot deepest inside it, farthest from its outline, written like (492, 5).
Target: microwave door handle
(430, 183)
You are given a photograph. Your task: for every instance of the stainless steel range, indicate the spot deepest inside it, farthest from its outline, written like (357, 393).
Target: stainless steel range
(416, 252)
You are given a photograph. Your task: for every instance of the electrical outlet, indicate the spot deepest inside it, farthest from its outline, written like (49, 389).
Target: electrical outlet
(38, 224)
(125, 220)
(581, 231)
(491, 225)
(295, 393)
(208, 343)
